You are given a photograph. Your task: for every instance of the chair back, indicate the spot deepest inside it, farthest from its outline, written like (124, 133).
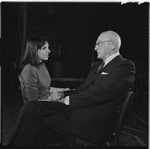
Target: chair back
(22, 87)
(129, 97)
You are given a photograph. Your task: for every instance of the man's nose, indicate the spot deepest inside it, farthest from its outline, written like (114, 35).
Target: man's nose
(95, 48)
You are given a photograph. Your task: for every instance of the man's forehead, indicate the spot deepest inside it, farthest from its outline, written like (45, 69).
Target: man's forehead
(105, 36)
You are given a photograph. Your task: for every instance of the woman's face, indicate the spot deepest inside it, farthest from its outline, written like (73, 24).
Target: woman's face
(43, 53)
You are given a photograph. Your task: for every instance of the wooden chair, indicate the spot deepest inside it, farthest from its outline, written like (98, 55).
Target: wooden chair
(22, 87)
(116, 134)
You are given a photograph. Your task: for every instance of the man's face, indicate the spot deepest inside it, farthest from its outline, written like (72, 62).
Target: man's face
(104, 47)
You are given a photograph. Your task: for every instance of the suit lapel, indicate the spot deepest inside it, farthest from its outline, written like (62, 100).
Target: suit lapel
(112, 63)
(108, 67)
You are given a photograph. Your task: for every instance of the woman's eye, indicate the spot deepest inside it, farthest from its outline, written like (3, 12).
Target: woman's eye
(43, 48)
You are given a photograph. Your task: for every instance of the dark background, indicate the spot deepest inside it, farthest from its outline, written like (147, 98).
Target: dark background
(72, 30)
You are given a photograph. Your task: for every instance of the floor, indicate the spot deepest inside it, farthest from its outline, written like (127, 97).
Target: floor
(133, 133)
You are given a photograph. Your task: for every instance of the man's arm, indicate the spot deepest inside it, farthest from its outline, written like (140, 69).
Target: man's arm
(101, 91)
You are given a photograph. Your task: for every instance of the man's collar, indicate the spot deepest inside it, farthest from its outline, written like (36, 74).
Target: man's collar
(111, 57)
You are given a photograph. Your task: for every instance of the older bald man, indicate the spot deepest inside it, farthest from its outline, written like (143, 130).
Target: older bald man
(89, 113)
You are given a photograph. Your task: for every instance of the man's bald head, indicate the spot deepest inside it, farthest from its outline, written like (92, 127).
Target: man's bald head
(111, 35)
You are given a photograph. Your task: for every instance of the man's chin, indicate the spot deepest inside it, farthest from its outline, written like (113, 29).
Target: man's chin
(98, 57)
(45, 59)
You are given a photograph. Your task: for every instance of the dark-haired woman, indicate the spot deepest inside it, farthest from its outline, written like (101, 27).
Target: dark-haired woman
(35, 74)
(38, 90)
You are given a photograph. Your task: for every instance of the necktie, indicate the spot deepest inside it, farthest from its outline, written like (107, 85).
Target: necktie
(101, 66)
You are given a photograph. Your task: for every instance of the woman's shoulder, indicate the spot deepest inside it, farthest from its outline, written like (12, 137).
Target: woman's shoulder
(29, 69)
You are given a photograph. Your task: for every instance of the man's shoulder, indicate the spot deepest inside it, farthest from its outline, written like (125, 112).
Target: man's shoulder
(128, 61)
(121, 59)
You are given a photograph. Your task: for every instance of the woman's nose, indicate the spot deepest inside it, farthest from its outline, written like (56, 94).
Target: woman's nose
(49, 50)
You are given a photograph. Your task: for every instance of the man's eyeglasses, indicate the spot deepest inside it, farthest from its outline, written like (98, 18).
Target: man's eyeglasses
(99, 44)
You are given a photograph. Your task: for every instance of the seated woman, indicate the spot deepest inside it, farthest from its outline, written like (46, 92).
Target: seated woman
(38, 91)
(35, 74)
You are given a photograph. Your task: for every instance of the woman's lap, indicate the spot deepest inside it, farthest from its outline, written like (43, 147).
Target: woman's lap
(35, 115)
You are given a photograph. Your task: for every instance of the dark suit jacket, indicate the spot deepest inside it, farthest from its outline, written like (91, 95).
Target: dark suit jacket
(98, 99)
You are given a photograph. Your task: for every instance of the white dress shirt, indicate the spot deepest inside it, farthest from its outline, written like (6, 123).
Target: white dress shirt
(110, 58)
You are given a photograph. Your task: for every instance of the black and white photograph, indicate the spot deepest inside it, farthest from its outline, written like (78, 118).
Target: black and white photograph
(74, 73)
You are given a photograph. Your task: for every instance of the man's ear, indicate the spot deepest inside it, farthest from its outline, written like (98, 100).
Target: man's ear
(113, 48)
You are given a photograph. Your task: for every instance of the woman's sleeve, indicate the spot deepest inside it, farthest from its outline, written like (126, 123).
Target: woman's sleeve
(31, 85)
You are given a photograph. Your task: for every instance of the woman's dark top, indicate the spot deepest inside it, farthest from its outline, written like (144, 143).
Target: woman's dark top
(37, 82)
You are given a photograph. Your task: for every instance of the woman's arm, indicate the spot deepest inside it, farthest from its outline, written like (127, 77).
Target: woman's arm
(56, 89)
(31, 88)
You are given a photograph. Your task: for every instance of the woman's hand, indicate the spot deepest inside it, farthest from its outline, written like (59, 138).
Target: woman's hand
(55, 89)
(66, 89)
(63, 89)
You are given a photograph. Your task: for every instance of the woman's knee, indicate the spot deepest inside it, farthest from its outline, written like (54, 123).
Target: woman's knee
(30, 103)
(30, 107)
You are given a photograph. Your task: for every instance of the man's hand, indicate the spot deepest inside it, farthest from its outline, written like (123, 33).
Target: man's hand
(62, 100)
(56, 96)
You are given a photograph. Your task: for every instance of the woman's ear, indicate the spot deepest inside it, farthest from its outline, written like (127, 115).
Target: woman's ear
(38, 52)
